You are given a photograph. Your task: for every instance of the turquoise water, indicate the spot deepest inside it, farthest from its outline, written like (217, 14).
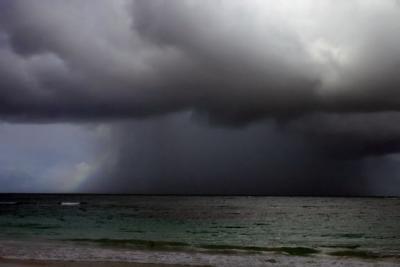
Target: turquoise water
(175, 222)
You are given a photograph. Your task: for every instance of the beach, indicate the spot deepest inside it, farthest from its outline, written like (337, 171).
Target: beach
(29, 254)
(42, 263)
(33, 263)
(101, 230)
(273, 261)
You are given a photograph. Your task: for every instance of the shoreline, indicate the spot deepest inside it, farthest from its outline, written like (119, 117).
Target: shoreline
(42, 254)
(276, 261)
(57, 263)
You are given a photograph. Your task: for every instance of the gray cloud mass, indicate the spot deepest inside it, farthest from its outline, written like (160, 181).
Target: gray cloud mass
(319, 79)
(231, 61)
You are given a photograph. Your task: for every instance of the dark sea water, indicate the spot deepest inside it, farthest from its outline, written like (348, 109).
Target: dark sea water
(292, 225)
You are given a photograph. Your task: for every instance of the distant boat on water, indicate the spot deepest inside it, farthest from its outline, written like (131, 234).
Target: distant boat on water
(70, 203)
(8, 203)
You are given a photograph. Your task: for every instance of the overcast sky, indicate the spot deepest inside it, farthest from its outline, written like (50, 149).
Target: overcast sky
(218, 97)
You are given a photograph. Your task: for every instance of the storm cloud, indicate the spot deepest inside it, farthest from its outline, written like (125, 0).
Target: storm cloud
(174, 154)
(231, 61)
(317, 79)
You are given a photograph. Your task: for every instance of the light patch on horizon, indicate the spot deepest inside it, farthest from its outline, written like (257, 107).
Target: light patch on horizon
(45, 157)
(67, 178)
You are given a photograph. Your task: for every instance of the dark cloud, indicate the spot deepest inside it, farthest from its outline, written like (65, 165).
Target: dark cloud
(327, 73)
(320, 154)
(231, 62)
(176, 155)
(350, 136)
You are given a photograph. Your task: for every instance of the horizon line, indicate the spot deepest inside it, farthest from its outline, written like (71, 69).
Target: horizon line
(204, 195)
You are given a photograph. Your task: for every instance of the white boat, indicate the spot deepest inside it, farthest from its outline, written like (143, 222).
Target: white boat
(7, 203)
(70, 203)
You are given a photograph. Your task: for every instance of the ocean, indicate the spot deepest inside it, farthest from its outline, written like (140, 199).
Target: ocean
(172, 229)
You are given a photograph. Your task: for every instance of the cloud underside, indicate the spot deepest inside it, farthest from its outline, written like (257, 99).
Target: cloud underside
(328, 71)
(231, 62)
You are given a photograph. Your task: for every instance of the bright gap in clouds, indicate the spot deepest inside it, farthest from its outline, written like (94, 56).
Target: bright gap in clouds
(45, 157)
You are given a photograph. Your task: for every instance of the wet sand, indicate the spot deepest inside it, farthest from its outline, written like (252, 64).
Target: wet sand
(281, 261)
(45, 254)
(39, 263)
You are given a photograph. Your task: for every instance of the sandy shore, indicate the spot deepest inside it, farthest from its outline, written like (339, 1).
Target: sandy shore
(281, 262)
(38, 263)
(64, 254)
